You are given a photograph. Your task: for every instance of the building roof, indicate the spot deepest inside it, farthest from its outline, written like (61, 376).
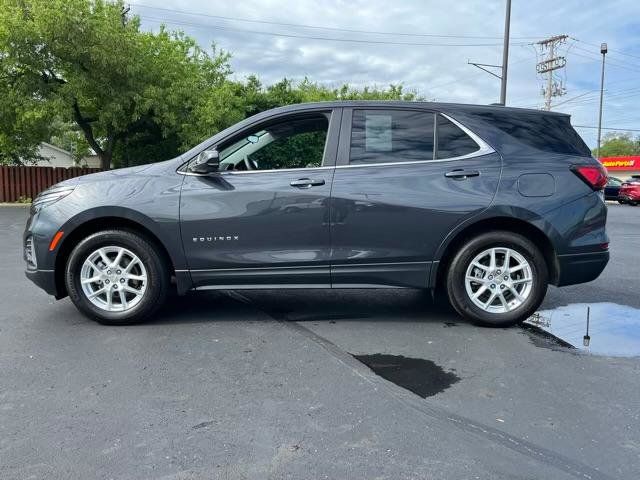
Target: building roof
(57, 149)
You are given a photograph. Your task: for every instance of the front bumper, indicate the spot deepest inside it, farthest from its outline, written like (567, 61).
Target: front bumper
(45, 279)
(581, 267)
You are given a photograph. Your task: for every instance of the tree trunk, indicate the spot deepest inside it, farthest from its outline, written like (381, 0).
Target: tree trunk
(105, 160)
(104, 154)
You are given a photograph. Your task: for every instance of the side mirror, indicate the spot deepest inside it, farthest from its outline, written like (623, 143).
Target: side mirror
(207, 162)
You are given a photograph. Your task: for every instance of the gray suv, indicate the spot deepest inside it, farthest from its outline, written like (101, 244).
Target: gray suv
(488, 204)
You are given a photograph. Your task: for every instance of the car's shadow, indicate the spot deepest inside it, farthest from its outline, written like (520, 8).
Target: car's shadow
(388, 305)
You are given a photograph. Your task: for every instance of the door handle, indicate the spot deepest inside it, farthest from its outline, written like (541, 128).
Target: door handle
(307, 182)
(460, 174)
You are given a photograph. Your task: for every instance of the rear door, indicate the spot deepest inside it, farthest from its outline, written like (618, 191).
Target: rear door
(263, 219)
(404, 179)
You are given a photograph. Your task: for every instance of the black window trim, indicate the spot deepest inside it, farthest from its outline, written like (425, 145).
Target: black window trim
(345, 140)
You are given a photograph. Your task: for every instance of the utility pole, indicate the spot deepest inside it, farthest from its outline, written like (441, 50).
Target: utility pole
(603, 51)
(505, 55)
(548, 65)
(505, 58)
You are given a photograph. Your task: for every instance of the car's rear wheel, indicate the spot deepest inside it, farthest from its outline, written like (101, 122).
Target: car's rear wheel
(116, 277)
(497, 279)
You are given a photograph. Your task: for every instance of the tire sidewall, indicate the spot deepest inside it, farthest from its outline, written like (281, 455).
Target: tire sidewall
(156, 276)
(456, 284)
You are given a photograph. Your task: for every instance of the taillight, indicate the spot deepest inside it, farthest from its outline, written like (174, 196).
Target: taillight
(593, 175)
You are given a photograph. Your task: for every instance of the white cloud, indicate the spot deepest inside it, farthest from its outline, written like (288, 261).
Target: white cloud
(440, 73)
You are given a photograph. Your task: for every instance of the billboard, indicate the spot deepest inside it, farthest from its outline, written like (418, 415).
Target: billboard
(621, 163)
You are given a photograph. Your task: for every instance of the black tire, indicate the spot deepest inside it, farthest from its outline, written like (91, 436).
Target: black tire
(633, 203)
(157, 276)
(621, 202)
(455, 280)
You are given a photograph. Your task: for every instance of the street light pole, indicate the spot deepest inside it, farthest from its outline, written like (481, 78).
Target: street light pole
(505, 55)
(603, 51)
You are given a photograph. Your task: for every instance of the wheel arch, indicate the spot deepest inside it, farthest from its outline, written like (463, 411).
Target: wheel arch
(91, 222)
(456, 239)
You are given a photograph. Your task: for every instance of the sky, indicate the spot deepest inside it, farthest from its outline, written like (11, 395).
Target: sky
(425, 46)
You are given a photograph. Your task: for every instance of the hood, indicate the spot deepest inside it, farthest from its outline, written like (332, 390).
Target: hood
(119, 174)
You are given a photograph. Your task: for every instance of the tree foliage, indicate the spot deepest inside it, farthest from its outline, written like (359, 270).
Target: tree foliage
(232, 101)
(617, 144)
(24, 123)
(134, 96)
(87, 63)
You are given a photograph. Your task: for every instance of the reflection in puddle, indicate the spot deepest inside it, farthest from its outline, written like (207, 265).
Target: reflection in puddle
(422, 377)
(612, 329)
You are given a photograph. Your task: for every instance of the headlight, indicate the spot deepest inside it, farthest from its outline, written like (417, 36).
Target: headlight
(50, 196)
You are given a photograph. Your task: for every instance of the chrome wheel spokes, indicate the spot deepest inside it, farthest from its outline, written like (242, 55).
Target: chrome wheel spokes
(113, 279)
(499, 280)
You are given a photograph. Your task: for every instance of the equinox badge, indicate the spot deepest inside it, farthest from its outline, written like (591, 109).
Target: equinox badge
(215, 238)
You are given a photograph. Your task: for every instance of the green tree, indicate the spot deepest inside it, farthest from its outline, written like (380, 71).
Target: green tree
(618, 144)
(86, 62)
(24, 123)
(81, 74)
(231, 101)
(68, 136)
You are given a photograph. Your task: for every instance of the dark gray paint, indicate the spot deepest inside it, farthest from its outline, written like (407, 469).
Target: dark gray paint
(536, 185)
(366, 226)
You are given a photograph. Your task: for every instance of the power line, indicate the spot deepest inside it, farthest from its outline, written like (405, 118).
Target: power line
(310, 37)
(619, 52)
(610, 128)
(318, 27)
(628, 66)
(590, 92)
(580, 100)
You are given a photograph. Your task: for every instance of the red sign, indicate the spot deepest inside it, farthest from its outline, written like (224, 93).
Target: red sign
(621, 163)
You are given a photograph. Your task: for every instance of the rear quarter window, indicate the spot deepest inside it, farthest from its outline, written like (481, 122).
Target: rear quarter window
(550, 133)
(452, 141)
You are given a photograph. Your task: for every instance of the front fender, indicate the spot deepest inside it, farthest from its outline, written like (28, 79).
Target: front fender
(166, 232)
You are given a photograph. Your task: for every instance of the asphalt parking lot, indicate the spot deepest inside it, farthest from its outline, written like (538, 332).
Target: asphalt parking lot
(263, 384)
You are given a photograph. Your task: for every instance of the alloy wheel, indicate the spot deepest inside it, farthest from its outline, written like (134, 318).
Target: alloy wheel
(499, 280)
(113, 279)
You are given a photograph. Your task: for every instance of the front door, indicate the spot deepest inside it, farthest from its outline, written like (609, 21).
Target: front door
(404, 179)
(263, 218)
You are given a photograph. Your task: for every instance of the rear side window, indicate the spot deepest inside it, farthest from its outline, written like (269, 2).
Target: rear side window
(452, 141)
(389, 136)
(549, 133)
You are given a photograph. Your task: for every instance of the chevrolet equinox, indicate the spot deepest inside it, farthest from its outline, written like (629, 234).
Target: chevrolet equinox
(486, 203)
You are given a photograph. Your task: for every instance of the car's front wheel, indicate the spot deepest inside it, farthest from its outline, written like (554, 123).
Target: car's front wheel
(116, 277)
(497, 279)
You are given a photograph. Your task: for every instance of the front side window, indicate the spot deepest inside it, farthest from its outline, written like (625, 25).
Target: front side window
(297, 142)
(388, 136)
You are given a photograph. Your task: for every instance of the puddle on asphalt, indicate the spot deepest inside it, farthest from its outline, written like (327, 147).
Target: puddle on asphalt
(422, 377)
(612, 329)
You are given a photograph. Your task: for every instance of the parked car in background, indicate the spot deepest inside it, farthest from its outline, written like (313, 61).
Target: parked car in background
(612, 188)
(485, 203)
(630, 191)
